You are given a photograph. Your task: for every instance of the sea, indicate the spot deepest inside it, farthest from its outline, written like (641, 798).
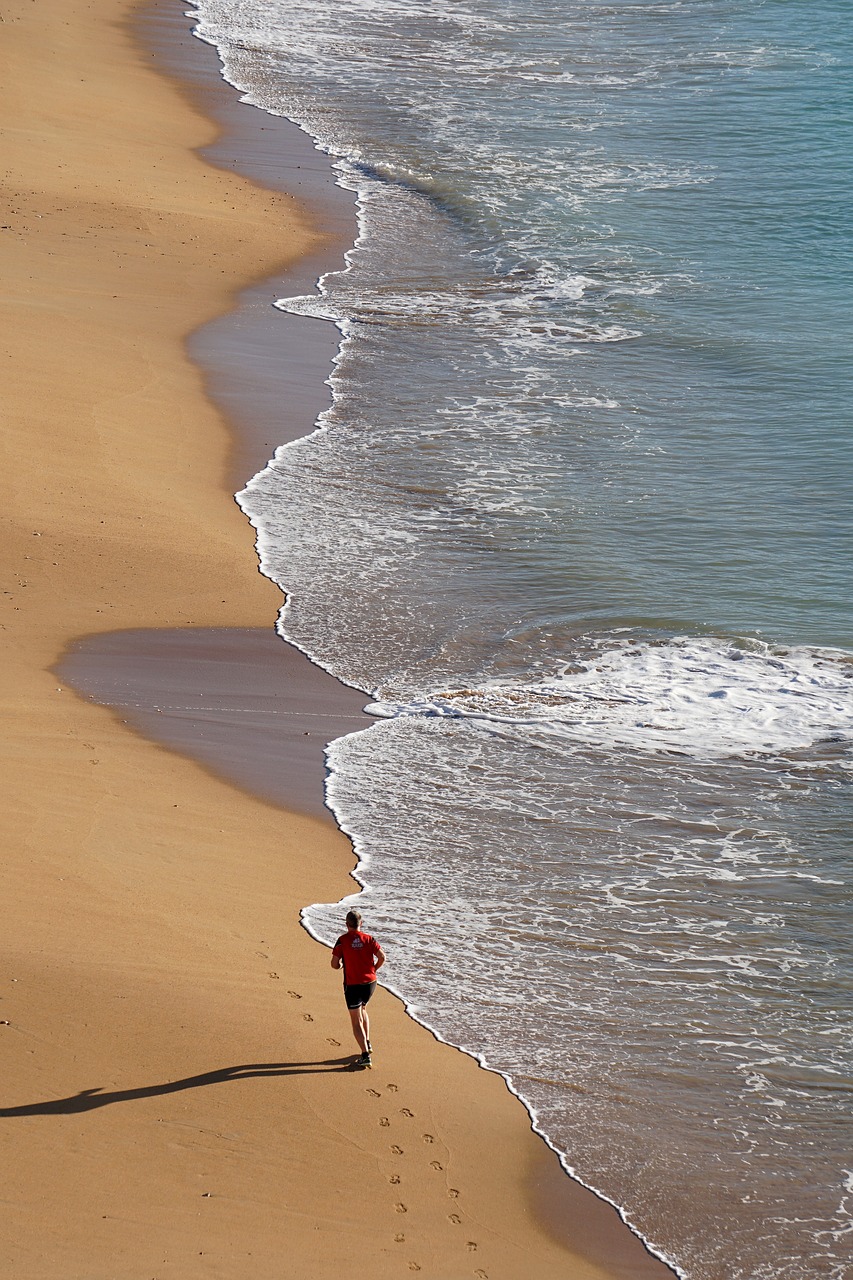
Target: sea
(579, 523)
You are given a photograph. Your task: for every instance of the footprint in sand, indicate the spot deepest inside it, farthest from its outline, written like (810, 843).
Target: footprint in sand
(471, 1246)
(399, 1238)
(273, 975)
(454, 1218)
(306, 1017)
(401, 1208)
(428, 1138)
(434, 1164)
(263, 955)
(480, 1274)
(413, 1266)
(336, 1043)
(404, 1111)
(294, 995)
(384, 1122)
(394, 1179)
(398, 1151)
(373, 1093)
(453, 1193)
(392, 1088)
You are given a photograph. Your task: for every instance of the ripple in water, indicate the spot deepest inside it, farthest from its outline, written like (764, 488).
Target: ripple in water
(579, 519)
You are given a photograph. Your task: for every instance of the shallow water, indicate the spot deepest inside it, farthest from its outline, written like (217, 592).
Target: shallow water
(579, 521)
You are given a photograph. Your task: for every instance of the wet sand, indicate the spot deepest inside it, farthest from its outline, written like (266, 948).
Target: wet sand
(250, 708)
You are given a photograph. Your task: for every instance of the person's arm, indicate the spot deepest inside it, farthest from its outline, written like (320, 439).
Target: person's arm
(379, 957)
(337, 959)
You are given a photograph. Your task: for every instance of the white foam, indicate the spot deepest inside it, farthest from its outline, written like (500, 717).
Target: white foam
(693, 697)
(705, 698)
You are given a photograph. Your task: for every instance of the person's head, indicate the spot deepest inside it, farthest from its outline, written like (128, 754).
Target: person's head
(353, 919)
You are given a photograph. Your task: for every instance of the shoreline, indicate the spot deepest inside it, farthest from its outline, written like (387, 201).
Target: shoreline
(152, 909)
(213, 346)
(240, 353)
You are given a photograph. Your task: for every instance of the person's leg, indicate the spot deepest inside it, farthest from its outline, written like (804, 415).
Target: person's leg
(365, 1026)
(360, 1037)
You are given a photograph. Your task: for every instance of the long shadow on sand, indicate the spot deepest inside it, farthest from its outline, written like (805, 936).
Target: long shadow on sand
(90, 1099)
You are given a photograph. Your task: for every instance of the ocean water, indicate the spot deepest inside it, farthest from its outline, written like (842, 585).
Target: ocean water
(579, 523)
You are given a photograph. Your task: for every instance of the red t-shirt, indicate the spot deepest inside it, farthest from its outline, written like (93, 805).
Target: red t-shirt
(358, 951)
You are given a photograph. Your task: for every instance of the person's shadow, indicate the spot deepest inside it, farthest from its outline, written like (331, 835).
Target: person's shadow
(89, 1099)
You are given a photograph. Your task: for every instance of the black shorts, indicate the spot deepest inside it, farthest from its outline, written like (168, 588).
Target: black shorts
(358, 994)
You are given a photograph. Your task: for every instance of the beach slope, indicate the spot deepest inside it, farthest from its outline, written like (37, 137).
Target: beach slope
(177, 1097)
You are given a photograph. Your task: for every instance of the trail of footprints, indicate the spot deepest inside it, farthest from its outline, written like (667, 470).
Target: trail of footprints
(395, 1179)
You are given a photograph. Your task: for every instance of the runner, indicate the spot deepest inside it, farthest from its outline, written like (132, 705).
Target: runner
(360, 956)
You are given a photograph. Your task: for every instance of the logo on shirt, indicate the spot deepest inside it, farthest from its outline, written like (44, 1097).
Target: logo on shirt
(356, 943)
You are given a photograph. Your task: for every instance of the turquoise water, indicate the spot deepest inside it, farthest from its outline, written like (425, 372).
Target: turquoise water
(579, 521)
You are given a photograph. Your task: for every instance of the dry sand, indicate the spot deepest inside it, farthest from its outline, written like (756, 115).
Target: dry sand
(176, 1092)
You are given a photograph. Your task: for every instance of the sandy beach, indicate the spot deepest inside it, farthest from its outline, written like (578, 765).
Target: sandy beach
(177, 1090)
